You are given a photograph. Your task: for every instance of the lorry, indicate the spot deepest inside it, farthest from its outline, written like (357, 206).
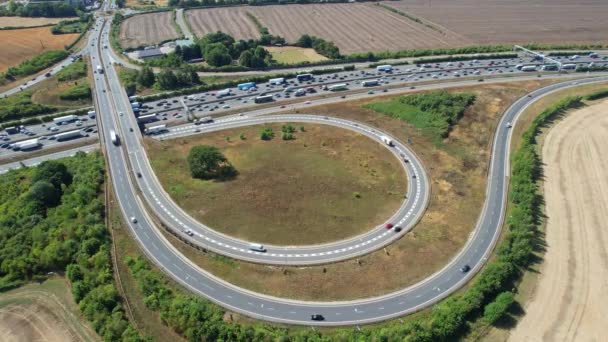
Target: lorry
(264, 98)
(276, 81)
(155, 129)
(100, 69)
(570, 66)
(147, 118)
(68, 135)
(246, 86)
(386, 140)
(304, 77)
(11, 130)
(92, 114)
(528, 68)
(337, 87)
(64, 119)
(549, 67)
(370, 83)
(385, 67)
(225, 92)
(114, 137)
(26, 145)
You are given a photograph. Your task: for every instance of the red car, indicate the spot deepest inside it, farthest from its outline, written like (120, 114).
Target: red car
(388, 226)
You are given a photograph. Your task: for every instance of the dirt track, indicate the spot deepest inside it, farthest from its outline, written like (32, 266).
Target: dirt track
(571, 297)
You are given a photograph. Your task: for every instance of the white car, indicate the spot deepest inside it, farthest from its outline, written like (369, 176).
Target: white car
(133, 219)
(121, 113)
(509, 125)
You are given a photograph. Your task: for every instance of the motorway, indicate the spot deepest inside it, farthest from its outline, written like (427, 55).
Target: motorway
(123, 159)
(128, 157)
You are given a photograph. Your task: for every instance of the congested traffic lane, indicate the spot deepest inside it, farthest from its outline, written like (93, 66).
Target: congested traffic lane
(204, 104)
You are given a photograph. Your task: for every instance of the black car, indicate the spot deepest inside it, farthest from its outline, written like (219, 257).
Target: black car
(130, 129)
(139, 175)
(465, 268)
(398, 229)
(317, 317)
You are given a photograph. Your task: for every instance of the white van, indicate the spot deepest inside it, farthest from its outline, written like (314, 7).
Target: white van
(257, 247)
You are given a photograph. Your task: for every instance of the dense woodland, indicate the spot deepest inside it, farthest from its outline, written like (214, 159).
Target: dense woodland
(52, 220)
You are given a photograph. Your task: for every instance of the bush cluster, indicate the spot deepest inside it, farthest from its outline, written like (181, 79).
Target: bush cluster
(78, 92)
(35, 64)
(20, 105)
(596, 95)
(434, 113)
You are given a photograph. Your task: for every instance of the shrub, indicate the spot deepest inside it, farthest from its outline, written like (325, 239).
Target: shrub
(266, 133)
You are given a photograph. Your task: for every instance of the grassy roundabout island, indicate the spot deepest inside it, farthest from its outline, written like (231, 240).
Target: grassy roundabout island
(324, 185)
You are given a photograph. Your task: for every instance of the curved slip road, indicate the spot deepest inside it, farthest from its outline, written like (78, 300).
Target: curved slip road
(281, 310)
(407, 216)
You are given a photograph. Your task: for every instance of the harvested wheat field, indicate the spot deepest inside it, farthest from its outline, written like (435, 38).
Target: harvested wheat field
(570, 301)
(147, 29)
(352, 27)
(515, 21)
(28, 22)
(230, 20)
(19, 45)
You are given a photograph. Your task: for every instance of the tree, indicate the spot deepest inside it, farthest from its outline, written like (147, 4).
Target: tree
(207, 162)
(167, 79)
(45, 193)
(53, 172)
(217, 54)
(305, 41)
(145, 78)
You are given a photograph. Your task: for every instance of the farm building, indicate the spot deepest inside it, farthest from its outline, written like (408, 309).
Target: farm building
(148, 53)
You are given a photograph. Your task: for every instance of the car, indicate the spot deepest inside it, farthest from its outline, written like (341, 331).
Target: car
(398, 229)
(343, 96)
(371, 92)
(189, 232)
(406, 160)
(130, 129)
(133, 219)
(5, 145)
(509, 125)
(121, 113)
(465, 268)
(388, 226)
(317, 317)
(139, 175)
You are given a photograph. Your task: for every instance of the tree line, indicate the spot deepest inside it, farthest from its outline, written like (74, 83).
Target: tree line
(40, 9)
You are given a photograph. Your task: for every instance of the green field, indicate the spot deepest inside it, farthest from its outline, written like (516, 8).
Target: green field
(294, 54)
(326, 184)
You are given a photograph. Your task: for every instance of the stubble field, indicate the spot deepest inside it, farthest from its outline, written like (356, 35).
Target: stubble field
(515, 21)
(28, 22)
(147, 29)
(19, 45)
(230, 20)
